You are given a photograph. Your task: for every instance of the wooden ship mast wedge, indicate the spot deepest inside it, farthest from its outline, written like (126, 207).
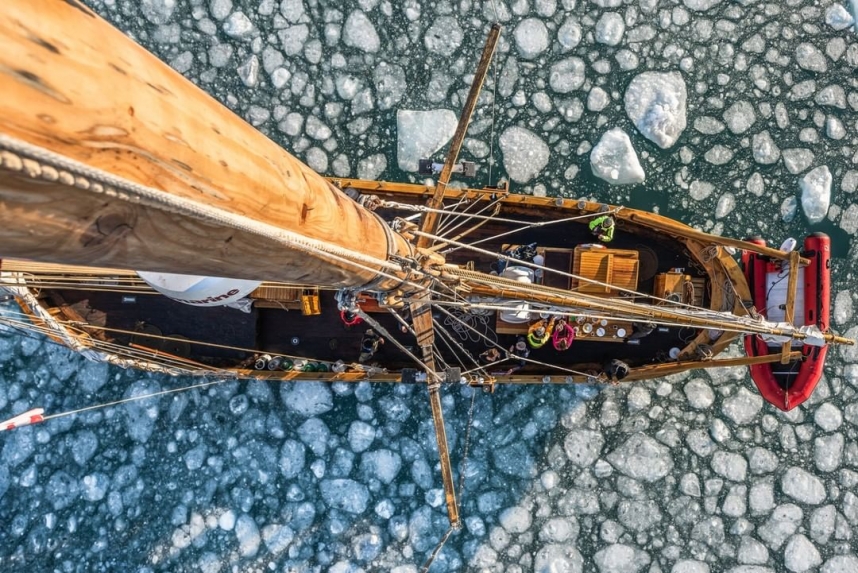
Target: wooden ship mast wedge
(111, 158)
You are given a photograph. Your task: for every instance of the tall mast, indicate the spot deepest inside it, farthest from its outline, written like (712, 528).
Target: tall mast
(193, 190)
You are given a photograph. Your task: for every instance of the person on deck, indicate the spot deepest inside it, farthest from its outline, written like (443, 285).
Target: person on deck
(640, 330)
(369, 345)
(490, 356)
(518, 351)
(539, 332)
(603, 228)
(616, 370)
(563, 336)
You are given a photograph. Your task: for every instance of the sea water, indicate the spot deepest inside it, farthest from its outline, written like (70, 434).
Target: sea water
(739, 116)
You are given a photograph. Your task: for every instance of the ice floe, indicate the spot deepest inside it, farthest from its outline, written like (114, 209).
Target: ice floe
(656, 104)
(614, 159)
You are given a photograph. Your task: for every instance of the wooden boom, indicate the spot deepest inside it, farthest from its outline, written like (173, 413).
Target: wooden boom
(75, 86)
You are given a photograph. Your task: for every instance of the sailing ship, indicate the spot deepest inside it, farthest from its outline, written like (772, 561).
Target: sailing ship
(126, 193)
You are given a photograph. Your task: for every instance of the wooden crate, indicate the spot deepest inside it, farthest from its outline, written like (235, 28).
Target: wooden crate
(671, 284)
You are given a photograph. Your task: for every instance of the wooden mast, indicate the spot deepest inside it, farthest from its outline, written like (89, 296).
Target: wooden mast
(75, 86)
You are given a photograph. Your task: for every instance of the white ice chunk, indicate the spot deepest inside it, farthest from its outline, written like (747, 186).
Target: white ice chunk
(756, 185)
(248, 72)
(834, 128)
(828, 452)
(383, 465)
(525, 154)
(140, 415)
(94, 487)
(531, 38)
(226, 521)
(292, 456)
(797, 160)
(789, 208)
(359, 32)
(515, 519)
(641, 457)
(700, 190)
(838, 17)
(292, 10)
(444, 36)
(803, 486)
(765, 150)
(372, 167)
(832, 96)
(743, 406)
(569, 34)
(367, 546)
(598, 99)
(361, 435)
(157, 11)
(801, 554)
(567, 75)
(656, 103)
(729, 465)
(277, 537)
(316, 159)
(220, 9)
(840, 564)
(740, 117)
(621, 558)
(614, 159)
(718, 155)
(708, 125)
(561, 558)
(307, 398)
(238, 25)
(247, 534)
(345, 494)
(421, 134)
(610, 29)
(700, 5)
(811, 58)
(816, 193)
(842, 308)
(725, 206)
(690, 566)
(699, 394)
(752, 552)
(583, 447)
(390, 84)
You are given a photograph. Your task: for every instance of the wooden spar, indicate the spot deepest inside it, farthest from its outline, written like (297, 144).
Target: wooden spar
(538, 293)
(648, 371)
(75, 86)
(687, 232)
(430, 221)
(421, 312)
(789, 309)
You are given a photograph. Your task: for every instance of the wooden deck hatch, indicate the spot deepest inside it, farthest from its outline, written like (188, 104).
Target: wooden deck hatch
(615, 267)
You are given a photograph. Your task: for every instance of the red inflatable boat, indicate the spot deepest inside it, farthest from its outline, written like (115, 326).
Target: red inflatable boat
(788, 385)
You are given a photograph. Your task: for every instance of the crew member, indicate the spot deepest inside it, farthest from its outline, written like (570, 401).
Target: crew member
(640, 330)
(369, 345)
(490, 356)
(563, 336)
(520, 351)
(539, 332)
(616, 370)
(603, 228)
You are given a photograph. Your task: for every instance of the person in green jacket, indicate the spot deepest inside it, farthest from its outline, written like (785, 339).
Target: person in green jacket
(603, 228)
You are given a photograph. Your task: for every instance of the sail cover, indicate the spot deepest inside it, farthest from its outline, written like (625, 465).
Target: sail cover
(197, 290)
